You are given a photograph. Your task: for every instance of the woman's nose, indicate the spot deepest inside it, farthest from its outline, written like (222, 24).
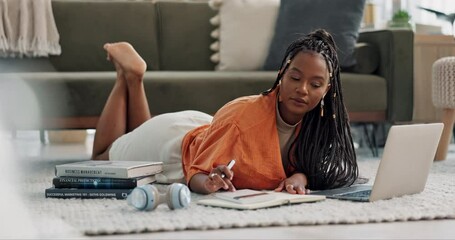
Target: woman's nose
(302, 88)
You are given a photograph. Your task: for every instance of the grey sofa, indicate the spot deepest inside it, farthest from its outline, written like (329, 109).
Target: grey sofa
(174, 37)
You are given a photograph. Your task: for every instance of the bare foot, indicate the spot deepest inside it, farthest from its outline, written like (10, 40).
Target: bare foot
(124, 55)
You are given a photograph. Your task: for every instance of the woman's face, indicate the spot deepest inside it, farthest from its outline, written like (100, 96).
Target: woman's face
(304, 84)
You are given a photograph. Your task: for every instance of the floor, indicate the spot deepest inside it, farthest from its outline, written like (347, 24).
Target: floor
(27, 143)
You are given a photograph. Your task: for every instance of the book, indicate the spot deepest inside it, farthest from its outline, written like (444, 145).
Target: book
(86, 193)
(103, 183)
(247, 199)
(108, 169)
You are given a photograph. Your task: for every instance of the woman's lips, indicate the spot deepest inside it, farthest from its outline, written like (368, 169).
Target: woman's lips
(299, 101)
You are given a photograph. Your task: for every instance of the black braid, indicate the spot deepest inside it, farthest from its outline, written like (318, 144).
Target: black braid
(324, 150)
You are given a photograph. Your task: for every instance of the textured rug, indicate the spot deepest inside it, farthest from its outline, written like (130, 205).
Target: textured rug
(108, 216)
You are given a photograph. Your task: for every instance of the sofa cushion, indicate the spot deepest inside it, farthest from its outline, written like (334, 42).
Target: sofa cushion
(84, 27)
(184, 33)
(245, 30)
(356, 86)
(296, 18)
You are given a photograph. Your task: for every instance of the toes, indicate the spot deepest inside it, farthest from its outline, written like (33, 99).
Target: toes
(106, 46)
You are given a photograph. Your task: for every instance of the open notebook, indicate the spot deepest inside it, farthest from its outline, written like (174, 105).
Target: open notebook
(247, 199)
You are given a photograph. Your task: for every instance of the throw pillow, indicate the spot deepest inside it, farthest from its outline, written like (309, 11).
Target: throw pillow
(299, 17)
(245, 30)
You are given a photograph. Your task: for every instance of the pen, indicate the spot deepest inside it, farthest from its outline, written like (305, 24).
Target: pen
(229, 166)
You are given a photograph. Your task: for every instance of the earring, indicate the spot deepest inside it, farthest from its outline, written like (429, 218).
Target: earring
(147, 197)
(322, 107)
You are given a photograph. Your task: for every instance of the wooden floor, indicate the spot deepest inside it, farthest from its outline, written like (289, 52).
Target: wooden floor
(28, 144)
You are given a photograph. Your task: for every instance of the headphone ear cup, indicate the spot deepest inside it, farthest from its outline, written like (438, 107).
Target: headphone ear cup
(178, 196)
(144, 198)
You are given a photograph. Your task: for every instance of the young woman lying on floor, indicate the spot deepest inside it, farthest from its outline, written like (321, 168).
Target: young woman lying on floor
(292, 137)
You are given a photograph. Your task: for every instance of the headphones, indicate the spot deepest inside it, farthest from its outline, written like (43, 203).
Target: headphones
(147, 197)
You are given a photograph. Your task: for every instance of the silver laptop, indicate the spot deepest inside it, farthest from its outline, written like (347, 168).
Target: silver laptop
(406, 161)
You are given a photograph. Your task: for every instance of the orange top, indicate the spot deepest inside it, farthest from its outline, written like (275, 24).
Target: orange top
(245, 130)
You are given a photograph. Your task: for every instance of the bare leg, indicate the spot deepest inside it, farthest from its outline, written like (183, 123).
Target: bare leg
(126, 107)
(134, 67)
(113, 119)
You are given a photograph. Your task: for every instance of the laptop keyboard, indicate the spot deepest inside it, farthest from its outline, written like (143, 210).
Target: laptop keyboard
(360, 194)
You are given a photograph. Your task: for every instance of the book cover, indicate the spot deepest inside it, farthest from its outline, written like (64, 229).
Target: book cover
(108, 169)
(247, 199)
(101, 183)
(86, 193)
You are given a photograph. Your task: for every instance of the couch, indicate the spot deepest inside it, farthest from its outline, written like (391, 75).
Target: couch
(174, 37)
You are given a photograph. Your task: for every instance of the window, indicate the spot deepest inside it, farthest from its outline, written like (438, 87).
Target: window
(385, 9)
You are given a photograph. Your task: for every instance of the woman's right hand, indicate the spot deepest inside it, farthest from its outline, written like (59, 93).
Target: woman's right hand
(212, 182)
(219, 177)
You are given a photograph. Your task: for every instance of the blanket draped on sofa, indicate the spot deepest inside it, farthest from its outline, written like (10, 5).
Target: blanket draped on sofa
(27, 28)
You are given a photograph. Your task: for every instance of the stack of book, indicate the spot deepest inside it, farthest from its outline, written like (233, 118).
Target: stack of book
(101, 179)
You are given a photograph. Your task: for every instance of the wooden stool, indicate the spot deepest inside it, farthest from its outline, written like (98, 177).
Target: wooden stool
(443, 96)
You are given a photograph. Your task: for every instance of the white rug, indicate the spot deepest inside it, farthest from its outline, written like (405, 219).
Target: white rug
(108, 216)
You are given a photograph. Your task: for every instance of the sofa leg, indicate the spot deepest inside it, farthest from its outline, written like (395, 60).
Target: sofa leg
(42, 136)
(370, 137)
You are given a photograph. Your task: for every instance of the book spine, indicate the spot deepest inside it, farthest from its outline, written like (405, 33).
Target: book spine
(90, 172)
(94, 183)
(86, 193)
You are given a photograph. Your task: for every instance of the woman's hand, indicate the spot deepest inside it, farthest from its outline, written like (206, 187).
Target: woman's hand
(220, 177)
(214, 181)
(295, 184)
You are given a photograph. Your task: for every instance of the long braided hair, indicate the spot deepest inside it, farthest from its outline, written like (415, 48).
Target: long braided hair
(323, 150)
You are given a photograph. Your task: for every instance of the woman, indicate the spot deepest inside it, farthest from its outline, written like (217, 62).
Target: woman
(292, 137)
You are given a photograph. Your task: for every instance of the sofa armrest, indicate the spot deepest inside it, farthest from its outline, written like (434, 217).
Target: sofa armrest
(396, 50)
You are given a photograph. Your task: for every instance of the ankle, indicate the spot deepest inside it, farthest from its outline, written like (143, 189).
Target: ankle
(134, 79)
(138, 69)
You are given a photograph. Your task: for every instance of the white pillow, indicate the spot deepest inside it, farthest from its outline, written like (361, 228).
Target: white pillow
(245, 31)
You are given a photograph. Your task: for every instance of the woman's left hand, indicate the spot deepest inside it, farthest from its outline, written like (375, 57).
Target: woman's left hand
(295, 184)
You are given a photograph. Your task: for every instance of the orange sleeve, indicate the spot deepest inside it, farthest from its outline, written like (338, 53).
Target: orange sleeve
(244, 130)
(217, 146)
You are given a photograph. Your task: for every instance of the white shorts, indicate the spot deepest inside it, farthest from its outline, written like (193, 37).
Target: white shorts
(159, 139)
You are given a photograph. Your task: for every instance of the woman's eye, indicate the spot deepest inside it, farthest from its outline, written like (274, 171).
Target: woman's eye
(316, 85)
(295, 78)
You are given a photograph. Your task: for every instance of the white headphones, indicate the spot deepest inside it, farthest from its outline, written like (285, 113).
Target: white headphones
(147, 197)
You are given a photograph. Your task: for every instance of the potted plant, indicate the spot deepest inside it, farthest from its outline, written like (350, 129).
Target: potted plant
(401, 19)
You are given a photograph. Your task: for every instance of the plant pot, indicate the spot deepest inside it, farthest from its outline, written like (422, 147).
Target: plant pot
(400, 24)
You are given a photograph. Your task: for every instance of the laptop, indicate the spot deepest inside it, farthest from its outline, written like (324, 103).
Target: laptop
(405, 164)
